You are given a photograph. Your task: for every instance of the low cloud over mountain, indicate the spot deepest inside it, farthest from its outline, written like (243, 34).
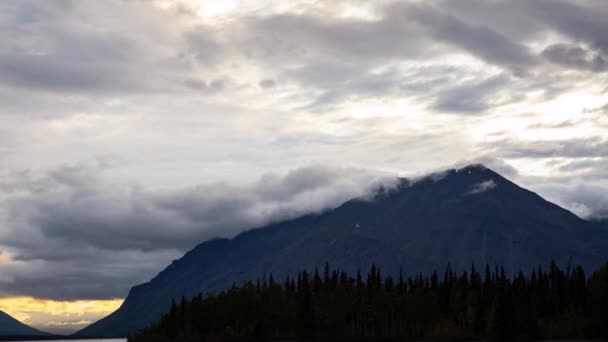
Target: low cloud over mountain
(72, 218)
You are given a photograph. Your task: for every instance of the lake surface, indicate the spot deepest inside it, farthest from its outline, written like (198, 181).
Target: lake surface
(89, 340)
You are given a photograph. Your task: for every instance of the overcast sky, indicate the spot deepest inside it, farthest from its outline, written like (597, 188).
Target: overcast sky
(132, 130)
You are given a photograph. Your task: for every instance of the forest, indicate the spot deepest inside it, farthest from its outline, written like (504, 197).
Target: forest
(331, 305)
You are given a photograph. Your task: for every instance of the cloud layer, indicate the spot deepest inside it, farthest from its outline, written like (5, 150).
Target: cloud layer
(72, 219)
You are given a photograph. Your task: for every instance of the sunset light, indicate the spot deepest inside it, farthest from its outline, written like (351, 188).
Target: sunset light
(55, 315)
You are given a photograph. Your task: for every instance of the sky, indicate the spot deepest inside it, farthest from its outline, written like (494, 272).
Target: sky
(130, 131)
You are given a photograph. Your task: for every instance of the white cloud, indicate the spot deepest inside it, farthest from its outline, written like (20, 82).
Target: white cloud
(483, 187)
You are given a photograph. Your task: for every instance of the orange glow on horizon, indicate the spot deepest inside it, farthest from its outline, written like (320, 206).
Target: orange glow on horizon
(55, 315)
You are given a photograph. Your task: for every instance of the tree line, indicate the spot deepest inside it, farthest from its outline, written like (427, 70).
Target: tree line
(332, 305)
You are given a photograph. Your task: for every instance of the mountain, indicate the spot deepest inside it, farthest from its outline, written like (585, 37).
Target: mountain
(601, 223)
(460, 217)
(10, 327)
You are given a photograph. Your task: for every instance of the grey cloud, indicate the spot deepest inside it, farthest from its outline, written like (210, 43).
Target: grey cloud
(267, 83)
(560, 124)
(602, 109)
(306, 37)
(50, 51)
(330, 59)
(446, 89)
(575, 148)
(594, 168)
(474, 97)
(53, 56)
(96, 274)
(203, 47)
(50, 73)
(481, 41)
(528, 21)
(335, 82)
(213, 86)
(133, 217)
(463, 91)
(590, 202)
(575, 57)
(509, 17)
(70, 226)
(584, 21)
(335, 59)
(578, 165)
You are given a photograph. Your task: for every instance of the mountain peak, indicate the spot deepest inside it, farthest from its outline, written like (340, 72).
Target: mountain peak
(474, 167)
(478, 171)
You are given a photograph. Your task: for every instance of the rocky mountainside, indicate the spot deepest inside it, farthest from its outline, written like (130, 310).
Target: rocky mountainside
(460, 216)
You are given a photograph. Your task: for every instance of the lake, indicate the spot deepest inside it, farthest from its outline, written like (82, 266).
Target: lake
(83, 340)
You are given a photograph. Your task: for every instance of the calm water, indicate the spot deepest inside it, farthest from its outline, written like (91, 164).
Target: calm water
(96, 340)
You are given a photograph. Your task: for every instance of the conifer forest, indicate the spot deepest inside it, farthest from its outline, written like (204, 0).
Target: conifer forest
(331, 305)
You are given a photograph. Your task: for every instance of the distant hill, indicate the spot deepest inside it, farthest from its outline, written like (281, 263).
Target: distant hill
(460, 216)
(12, 328)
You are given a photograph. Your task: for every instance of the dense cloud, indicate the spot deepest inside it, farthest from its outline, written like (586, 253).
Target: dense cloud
(479, 40)
(585, 201)
(575, 57)
(241, 100)
(71, 215)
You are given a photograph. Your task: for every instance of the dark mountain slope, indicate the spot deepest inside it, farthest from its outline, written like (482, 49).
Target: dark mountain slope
(10, 327)
(465, 216)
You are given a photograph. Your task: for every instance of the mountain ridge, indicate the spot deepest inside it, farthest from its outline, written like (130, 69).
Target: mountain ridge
(11, 327)
(458, 216)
